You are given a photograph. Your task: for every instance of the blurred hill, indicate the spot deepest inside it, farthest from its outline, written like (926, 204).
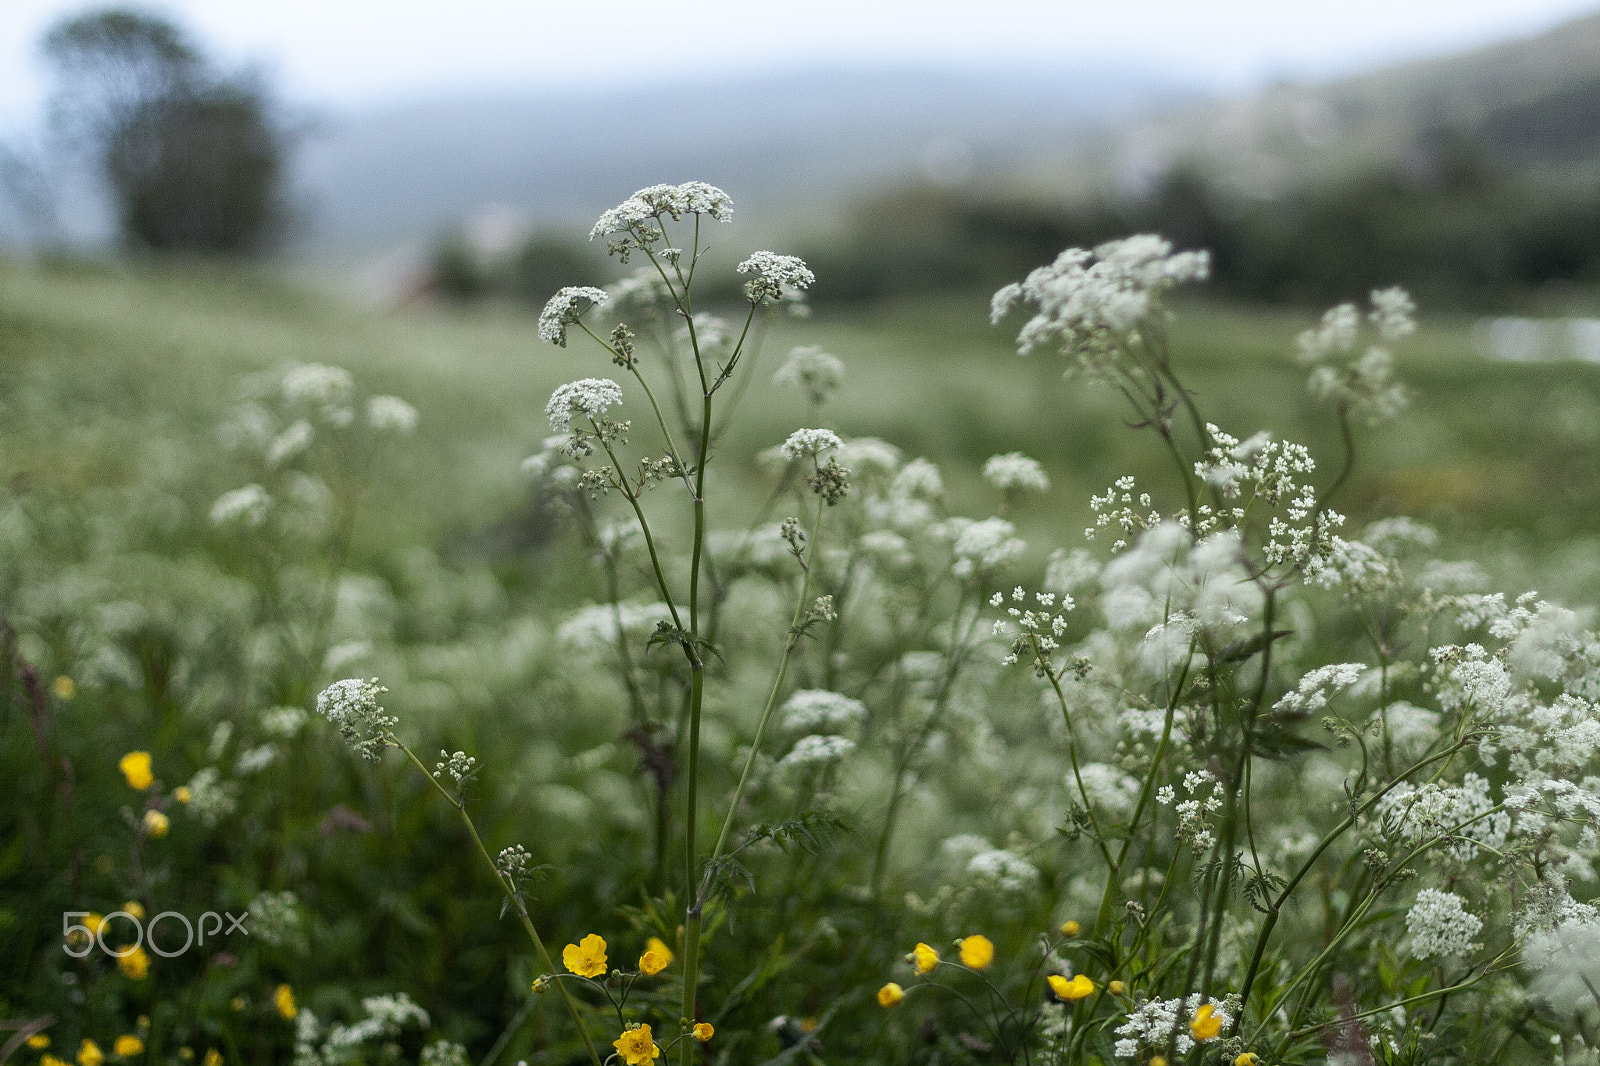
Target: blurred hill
(783, 144)
(1531, 106)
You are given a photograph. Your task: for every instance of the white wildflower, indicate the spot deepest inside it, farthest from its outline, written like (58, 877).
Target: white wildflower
(391, 414)
(804, 442)
(808, 710)
(590, 397)
(771, 272)
(1016, 471)
(565, 308)
(814, 750)
(689, 198)
(247, 506)
(1004, 870)
(1440, 925)
(811, 370)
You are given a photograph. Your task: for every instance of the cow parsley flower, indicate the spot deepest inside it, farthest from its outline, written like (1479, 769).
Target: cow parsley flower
(811, 709)
(814, 750)
(565, 308)
(1004, 870)
(804, 442)
(352, 705)
(985, 545)
(689, 198)
(391, 414)
(247, 506)
(1156, 1021)
(772, 272)
(811, 370)
(1440, 925)
(1015, 471)
(590, 397)
(327, 389)
(1083, 295)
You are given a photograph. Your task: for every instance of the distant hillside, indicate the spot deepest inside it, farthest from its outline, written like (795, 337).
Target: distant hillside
(1529, 106)
(783, 145)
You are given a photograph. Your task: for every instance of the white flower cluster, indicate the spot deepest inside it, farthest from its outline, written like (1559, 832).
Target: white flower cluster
(811, 709)
(1311, 694)
(983, 546)
(1416, 814)
(1015, 471)
(1205, 798)
(1169, 579)
(247, 506)
(1116, 509)
(275, 918)
(1004, 870)
(771, 273)
(1440, 925)
(565, 308)
(817, 750)
(590, 397)
(1156, 1021)
(1108, 787)
(1363, 382)
(811, 370)
(1083, 294)
(804, 442)
(689, 198)
(352, 705)
(324, 389)
(391, 414)
(596, 627)
(339, 1044)
(444, 1053)
(1037, 631)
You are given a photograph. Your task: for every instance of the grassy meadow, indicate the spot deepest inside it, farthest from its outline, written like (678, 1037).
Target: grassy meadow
(136, 623)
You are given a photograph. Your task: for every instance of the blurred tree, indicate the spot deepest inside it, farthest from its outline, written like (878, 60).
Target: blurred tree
(194, 158)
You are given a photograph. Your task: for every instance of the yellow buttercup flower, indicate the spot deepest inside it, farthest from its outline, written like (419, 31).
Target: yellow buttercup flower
(890, 995)
(1069, 928)
(126, 1047)
(51, 1060)
(89, 1054)
(808, 1024)
(38, 1042)
(135, 766)
(1116, 988)
(586, 958)
(182, 794)
(132, 907)
(1074, 989)
(657, 957)
(541, 985)
(1158, 1060)
(1206, 1025)
(283, 1000)
(156, 824)
(213, 1058)
(1249, 1058)
(924, 958)
(703, 1031)
(977, 951)
(64, 688)
(636, 1046)
(135, 965)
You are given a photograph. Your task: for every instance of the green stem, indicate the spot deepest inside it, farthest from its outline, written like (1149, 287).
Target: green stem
(516, 901)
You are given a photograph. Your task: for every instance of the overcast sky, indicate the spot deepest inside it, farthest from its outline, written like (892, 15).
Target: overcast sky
(360, 52)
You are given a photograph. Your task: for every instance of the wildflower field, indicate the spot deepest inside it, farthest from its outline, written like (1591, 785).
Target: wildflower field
(713, 682)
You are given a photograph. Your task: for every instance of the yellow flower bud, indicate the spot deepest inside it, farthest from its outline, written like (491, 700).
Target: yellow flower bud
(1069, 928)
(1116, 988)
(890, 995)
(703, 1031)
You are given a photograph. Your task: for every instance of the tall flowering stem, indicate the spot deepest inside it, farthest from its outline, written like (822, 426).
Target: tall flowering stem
(512, 896)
